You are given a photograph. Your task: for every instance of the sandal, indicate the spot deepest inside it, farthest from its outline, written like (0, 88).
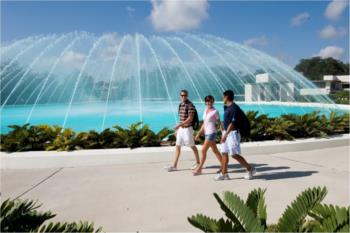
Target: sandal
(197, 173)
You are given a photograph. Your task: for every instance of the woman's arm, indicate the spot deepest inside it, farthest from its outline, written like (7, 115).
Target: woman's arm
(220, 126)
(200, 131)
(219, 122)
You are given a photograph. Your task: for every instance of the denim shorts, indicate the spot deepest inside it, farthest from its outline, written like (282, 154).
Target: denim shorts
(210, 137)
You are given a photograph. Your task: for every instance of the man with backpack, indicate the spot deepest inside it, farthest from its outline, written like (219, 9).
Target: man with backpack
(184, 130)
(235, 123)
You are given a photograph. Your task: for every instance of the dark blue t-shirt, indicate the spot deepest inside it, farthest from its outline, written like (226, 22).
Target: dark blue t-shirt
(230, 115)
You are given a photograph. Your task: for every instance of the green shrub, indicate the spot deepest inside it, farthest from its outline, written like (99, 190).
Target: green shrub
(305, 214)
(341, 97)
(263, 127)
(65, 141)
(44, 137)
(23, 216)
(259, 125)
(24, 138)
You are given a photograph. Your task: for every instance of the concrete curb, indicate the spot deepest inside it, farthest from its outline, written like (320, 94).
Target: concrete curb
(81, 158)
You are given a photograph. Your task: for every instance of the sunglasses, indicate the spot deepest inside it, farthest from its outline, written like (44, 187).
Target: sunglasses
(183, 95)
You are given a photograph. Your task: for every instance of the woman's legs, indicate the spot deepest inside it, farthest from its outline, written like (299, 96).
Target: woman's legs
(205, 148)
(216, 152)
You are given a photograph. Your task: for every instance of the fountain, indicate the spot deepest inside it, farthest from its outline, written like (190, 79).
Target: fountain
(86, 82)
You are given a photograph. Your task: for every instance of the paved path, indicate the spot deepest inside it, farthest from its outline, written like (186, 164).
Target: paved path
(143, 197)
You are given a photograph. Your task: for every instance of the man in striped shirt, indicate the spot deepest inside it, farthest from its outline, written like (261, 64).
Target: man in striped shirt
(184, 130)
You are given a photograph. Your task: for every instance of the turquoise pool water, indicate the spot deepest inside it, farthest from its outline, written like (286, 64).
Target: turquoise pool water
(89, 116)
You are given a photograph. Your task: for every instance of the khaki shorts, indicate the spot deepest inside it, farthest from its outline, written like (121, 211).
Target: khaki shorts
(184, 137)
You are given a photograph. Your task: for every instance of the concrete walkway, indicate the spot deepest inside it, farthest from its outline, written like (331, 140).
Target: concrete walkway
(143, 197)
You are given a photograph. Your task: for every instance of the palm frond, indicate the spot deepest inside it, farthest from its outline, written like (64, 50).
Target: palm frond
(207, 224)
(299, 209)
(243, 213)
(22, 216)
(330, 218)
(256, 202)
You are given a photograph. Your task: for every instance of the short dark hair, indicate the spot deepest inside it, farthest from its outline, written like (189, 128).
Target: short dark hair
(229, 94)
(209, 98)
(184, 91)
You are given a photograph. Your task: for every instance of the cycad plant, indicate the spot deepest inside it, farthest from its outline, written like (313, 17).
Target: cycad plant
(259, 125)
(138, 134)
(65, 141)
(26, 137)
(336, 123)
(305, 214)
(306, 125)
(23, 216)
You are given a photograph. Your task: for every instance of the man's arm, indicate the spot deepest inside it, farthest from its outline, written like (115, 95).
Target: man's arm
(230, 127)
(188, 120)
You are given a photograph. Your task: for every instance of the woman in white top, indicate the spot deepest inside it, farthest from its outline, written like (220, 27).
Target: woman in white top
(210, 118)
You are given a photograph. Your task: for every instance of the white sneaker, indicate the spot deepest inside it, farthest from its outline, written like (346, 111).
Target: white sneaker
(250, 174)
(170, 168)
(194, 166)
(221, 176)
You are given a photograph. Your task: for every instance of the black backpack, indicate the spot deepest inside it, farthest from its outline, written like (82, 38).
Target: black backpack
(195, 120)
(243, 123)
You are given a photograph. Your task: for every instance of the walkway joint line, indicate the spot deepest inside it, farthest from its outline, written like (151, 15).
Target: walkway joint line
(42, 181)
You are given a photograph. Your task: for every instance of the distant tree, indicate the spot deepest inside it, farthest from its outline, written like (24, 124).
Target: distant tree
(315, 68)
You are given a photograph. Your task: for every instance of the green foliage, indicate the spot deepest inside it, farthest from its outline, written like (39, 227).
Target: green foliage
(294, 216)
(137, 135)
(336, 124)
(69, 227)
(306, 125)
(259, 125)
(315, 68)
(263, 127)
(305, 214)
(44, 137)
(330, 218)
(207, 224)
(22, 216)
(24, 138)
(291, 126)
(65, 141)
(341, 97)
(256, 202)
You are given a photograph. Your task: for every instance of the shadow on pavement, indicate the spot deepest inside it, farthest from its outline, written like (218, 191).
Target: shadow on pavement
(284, 175)
(263, 171)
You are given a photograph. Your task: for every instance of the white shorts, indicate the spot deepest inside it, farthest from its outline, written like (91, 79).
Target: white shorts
(184, 137)
(232, 145)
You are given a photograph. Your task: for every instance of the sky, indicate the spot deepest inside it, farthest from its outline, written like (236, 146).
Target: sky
(287, 30)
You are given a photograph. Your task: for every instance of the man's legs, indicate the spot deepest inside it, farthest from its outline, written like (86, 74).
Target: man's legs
(195, 151)
(242, 161)
(177, 155)
(224, 163)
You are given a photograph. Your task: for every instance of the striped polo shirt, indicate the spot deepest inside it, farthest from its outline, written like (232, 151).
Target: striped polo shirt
(183, 114)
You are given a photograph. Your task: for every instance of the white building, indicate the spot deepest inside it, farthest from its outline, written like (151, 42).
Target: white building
(329, 84)
(266, 88)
